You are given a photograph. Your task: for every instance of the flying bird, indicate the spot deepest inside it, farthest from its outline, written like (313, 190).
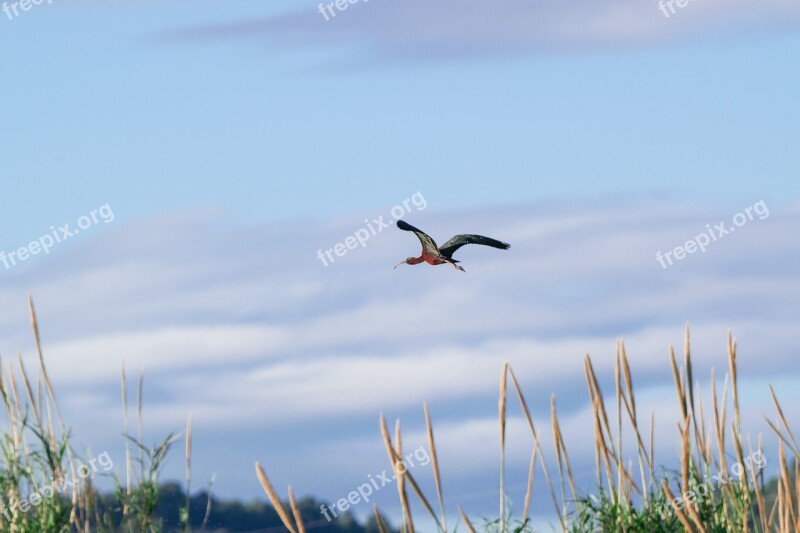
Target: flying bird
(434, 255)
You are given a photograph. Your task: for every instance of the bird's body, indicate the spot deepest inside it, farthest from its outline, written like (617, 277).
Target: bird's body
(435, 255)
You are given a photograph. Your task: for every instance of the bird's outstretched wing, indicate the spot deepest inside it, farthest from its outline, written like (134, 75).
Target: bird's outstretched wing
(428, 244)
(450, 247)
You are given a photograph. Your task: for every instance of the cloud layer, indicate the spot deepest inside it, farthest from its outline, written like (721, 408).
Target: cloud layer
(282, 359)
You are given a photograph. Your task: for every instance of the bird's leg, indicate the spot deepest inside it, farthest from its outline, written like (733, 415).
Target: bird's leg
(458, 267)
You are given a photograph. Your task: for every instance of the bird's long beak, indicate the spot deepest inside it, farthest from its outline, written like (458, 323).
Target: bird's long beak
(398, 264)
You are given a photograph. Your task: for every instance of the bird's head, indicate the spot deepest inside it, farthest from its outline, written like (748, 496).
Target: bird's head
(407, 261)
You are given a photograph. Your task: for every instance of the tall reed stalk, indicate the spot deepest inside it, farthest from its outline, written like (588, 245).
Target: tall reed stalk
(630, 495)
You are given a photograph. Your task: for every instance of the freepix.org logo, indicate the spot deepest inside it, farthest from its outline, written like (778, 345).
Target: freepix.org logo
(374, 484)
(12, 10)
(53, 487)
(56, 235)
(362, 235)
(712, 234)
(699, 491)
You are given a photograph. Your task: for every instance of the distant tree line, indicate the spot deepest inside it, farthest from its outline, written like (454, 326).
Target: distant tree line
(233, 516)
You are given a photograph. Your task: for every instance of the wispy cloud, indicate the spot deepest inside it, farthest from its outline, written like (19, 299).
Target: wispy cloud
(421, 30)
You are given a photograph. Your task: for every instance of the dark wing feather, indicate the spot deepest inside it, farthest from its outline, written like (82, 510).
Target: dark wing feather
(428, 244)
(450, 247)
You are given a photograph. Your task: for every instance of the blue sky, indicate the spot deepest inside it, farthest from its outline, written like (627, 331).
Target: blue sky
(119, 105)
(232, 141)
